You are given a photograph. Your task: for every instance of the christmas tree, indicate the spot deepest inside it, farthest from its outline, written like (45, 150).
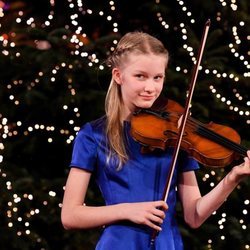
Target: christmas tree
(54, 79)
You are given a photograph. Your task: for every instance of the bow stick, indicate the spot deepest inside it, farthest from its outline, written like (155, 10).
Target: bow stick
(183, 120)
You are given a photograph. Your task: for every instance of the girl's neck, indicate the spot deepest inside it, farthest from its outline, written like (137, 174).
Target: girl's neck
(126, 114)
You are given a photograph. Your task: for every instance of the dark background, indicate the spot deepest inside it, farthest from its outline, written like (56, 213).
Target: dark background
(48, 89)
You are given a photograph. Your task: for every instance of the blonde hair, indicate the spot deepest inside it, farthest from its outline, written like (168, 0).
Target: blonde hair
(132, 42)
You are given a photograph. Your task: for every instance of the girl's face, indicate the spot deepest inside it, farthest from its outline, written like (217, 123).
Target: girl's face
(141, 79)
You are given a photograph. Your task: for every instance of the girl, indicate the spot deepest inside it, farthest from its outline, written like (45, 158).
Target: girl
(132, 183)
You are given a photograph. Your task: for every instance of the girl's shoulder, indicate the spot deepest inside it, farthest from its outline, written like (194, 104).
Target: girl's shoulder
(93, 128)
(98, 123)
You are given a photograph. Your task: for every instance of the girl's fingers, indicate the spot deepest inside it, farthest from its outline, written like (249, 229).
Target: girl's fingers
(154, 226)
(161, 204)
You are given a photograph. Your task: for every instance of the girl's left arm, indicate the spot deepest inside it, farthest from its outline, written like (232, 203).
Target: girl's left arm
(198, 208)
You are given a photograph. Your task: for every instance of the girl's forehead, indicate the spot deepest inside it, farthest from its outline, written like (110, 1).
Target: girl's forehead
(150, 60)
(138, 56)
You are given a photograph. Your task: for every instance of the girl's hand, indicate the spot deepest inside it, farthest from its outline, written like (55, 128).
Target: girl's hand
(151, 213)
(241, 171)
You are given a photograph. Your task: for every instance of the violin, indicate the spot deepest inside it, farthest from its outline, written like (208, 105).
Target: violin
(211, 144)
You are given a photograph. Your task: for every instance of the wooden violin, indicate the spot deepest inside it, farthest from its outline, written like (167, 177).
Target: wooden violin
(210, 144)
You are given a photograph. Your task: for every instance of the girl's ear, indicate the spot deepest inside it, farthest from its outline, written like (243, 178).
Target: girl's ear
(116, 73)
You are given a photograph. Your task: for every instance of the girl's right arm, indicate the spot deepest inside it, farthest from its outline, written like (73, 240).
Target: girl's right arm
(75, 214)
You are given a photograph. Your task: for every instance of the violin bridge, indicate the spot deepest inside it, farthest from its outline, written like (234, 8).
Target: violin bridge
(179, 121)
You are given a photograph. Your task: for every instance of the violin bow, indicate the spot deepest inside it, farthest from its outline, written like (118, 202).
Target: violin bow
(184, 119)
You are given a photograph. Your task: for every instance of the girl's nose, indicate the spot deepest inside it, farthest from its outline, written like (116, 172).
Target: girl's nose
(149, 86)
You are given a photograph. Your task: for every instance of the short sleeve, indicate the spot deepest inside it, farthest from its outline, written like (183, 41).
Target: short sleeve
(84, 149)
(187, 163)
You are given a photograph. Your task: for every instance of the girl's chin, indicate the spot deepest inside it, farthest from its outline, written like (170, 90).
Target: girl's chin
(145, 105)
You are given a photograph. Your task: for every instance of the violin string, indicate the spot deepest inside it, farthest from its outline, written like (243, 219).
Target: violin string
(208, 133)
(201, 129)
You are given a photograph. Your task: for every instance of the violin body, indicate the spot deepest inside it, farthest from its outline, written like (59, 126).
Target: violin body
(211, 144)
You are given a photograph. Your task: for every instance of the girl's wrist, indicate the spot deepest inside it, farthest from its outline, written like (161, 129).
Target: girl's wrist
(233, 177)
(122, 211)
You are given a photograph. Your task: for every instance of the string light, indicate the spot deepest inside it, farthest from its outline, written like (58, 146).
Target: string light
(243, 112)
(79, 38)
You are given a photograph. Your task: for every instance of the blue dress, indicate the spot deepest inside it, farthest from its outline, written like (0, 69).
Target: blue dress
(141, 179)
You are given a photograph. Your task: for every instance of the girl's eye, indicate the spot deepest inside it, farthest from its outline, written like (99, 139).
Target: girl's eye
(158, 78)
(140, 76)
